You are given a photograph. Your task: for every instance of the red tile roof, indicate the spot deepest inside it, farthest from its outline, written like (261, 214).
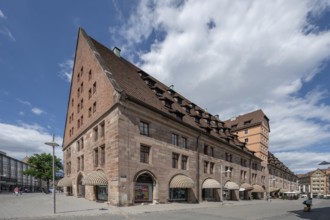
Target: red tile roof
(139, 86)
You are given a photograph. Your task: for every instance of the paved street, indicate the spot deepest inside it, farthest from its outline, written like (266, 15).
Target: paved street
(40, 206)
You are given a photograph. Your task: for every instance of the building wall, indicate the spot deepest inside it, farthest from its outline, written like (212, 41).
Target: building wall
(11, 175)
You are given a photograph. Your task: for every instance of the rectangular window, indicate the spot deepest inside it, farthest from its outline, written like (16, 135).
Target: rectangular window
(102, 126)
(175, 160)
(90, 75)
(95, 133)
(246, 140)
(94, 107)
(82, 162)
(94, 87)
(144, 154)
(96, 157)
(102, 148)
(206, 165)
(82, 143)
(211, 168)
(82, 104)
(174, 139)
(144, 128)
(90, 112)
(78, 164)
(212, 151)
(246, 131)
(90, 93)
(206, 149)
(184, 162)
(184, 142)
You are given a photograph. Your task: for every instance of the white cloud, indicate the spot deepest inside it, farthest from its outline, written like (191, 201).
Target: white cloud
(5, 31)
(66, 70)
(26, 139)
(256, 54)
(37, 111)
(2, 15)
(300, 162)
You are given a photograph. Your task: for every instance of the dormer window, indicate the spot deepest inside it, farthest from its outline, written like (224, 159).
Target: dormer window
(208, 122)
(159, 92)
(247, 122)
(179, 116)
(150, 83)
(179, 100)
(168, 103)
(143, 74)
(197, 119)
(234, 126)
(187, 109)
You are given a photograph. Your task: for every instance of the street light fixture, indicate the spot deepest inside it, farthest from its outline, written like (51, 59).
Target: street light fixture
(53, 144)
(221, 172)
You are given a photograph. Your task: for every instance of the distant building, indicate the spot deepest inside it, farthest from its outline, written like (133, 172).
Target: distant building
(253, 129)
(11, 175)
(130, 139)
(316, 183)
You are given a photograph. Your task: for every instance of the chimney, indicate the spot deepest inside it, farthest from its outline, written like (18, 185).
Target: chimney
(116, 50)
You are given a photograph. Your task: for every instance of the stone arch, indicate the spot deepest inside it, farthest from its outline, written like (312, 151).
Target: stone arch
(80, 186)
(145, 187)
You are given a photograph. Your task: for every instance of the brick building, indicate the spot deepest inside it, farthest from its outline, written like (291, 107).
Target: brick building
(129, 138)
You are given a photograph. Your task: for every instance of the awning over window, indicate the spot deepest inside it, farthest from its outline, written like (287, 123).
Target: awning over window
(182, 181)
(65, 181)
(211, 184)
(284, 190)
(257, 189)
(246, 186)
(231, 186)
(95, 178)
(273, 189)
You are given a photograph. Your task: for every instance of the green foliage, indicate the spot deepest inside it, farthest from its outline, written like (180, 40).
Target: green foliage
(42, 166)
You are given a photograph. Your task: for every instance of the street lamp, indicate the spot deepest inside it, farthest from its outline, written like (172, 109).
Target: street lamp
(53, 144)
(221, 172)
(270, 180)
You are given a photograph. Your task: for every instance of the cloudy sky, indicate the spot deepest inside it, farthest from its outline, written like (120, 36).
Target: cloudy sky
(229, 57)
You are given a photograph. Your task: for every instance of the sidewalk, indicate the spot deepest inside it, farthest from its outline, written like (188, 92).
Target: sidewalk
(37, 205)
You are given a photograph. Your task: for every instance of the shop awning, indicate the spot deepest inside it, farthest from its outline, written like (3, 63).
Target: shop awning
(231, 186)
(246, 186)
(95, 178)
(182, 181)
(257, 189)
(211, 184)
(273, 189)
(65, 181)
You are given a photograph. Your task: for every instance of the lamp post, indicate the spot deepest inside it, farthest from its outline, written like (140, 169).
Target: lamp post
(53, 144)
(270, 180)
(221, 172)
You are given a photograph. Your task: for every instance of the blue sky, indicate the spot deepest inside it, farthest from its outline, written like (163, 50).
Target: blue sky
(230, 57)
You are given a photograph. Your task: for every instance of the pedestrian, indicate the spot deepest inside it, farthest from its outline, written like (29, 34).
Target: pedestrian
(16, 190)
(308, 202)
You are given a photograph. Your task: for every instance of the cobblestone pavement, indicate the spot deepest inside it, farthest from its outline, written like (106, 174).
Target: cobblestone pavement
(40, 206)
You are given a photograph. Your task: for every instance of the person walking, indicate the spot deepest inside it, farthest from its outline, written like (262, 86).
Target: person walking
(16, 190)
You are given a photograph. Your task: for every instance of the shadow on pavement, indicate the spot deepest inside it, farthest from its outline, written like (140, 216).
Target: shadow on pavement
(315, 214)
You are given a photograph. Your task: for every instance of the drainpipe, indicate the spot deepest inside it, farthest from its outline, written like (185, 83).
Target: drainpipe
(198, 165)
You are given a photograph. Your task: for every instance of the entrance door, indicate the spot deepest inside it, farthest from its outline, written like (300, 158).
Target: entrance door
(80, 188)
(143, 191)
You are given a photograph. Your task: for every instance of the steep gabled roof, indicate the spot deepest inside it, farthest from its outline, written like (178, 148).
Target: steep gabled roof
(137, 85)
(248, 120)
(274, 161)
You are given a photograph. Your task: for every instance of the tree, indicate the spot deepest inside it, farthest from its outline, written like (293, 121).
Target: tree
(42, 167)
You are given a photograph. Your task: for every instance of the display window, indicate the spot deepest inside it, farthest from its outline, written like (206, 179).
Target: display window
(102, 193)
(178, 194)
(143, 192)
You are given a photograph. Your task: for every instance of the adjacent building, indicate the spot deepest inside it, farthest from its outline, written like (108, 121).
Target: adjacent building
(11, 175)
(129, 139)
(253, 129)
(315, 183)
